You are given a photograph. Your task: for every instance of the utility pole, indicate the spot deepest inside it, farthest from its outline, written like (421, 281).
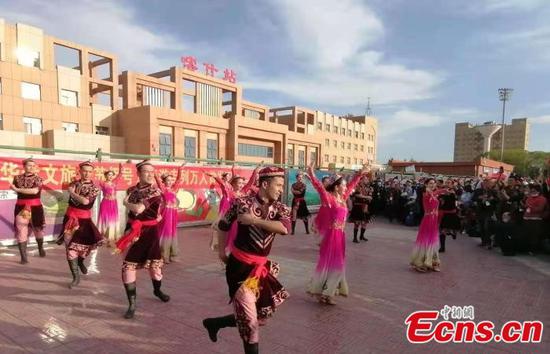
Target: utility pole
(504, 95)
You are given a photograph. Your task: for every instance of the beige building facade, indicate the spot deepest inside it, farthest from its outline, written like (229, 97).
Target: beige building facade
(471, 141)
(57, 94)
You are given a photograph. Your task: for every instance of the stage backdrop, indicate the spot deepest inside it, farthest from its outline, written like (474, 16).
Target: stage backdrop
(198, 198)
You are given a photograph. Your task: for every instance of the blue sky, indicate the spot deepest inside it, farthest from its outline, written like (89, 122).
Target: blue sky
(426, 64)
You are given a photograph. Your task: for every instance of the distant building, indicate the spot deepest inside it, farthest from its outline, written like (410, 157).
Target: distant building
(479, 166)
(471, 141)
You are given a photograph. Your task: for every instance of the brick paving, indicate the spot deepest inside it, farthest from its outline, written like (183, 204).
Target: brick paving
(38, 313)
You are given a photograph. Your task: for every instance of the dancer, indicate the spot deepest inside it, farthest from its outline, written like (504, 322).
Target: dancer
(142, 236)
(320, 220)
(329, 277)
(79, 233)
(251, 277)
(108, 208)
(426, 250)
(360, 216)
(169, 223)
(449, 221)
(28, 212)
(299, 205)
(236, 189)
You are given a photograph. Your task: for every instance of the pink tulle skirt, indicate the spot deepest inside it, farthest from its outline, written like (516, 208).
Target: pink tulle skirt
(107, 222)
(426, 247)
(329, 277)
(169, 223)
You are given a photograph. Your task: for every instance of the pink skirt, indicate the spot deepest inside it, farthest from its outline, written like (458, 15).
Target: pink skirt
(169, 223)
(108, 214)
(329, 277)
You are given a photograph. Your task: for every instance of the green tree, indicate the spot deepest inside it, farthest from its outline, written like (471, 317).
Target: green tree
(526, 163)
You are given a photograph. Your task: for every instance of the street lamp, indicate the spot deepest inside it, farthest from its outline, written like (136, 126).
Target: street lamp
(504, 95)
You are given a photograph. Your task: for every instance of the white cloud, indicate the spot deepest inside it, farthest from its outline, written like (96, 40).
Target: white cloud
(508, 5)
(105, 25)
(340, 65)
(405, 120)
(329, 33)
(540, 120)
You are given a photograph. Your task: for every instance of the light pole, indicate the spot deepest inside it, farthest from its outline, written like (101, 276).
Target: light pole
(504, 95)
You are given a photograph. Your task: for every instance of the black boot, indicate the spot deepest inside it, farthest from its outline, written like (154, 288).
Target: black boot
(213, 325)
(293, 227)
(81, 265)
(158, 293)
(251, 348)
(355, 235)
(363, 238)
(73, 266)
(131, 294)
(23, 252)
(442, 238)
(306, 224)
(40, 243)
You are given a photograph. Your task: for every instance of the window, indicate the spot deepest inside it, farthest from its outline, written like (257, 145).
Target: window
(327, 127)
(165, 144)
(68, 98)
(290, 156)
(349, 146)
(313, 156)
(101, 130)
(255, 150)
(1, 122)
(252, 114)
(32, 125)
(70, 127)
(363, 136)
(335, 143)
(212, 149)
(355, 161)
(319, 126)
(341, 159)
(355, 147)
(335, 129)
(334, 158)
(27, 57)
(301, 158)
(349, 160)
(156, 97)
(362, 148)
(30, 91)
(349, 132)
(190, 147)
(343, 131)
(188, 103)
(326, 158)
(327, 142)
(189, 85)
(356, 134)
(343, 145)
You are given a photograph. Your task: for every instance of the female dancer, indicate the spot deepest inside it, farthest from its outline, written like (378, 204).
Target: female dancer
(237, 189)
(108, 208)
(426, 250)
(329, 278)
(169, 222)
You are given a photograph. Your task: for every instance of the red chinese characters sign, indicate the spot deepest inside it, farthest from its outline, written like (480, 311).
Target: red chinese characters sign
(190, 63)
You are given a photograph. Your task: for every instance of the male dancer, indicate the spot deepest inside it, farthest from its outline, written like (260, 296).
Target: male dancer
(299, 206)
(28, 212)
(251, 277)
(142, 236)
(79, 233)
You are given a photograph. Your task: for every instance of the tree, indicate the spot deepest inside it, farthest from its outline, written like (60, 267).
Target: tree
(526, 163)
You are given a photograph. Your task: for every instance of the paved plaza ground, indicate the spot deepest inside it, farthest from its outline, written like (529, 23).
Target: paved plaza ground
(38, 313)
